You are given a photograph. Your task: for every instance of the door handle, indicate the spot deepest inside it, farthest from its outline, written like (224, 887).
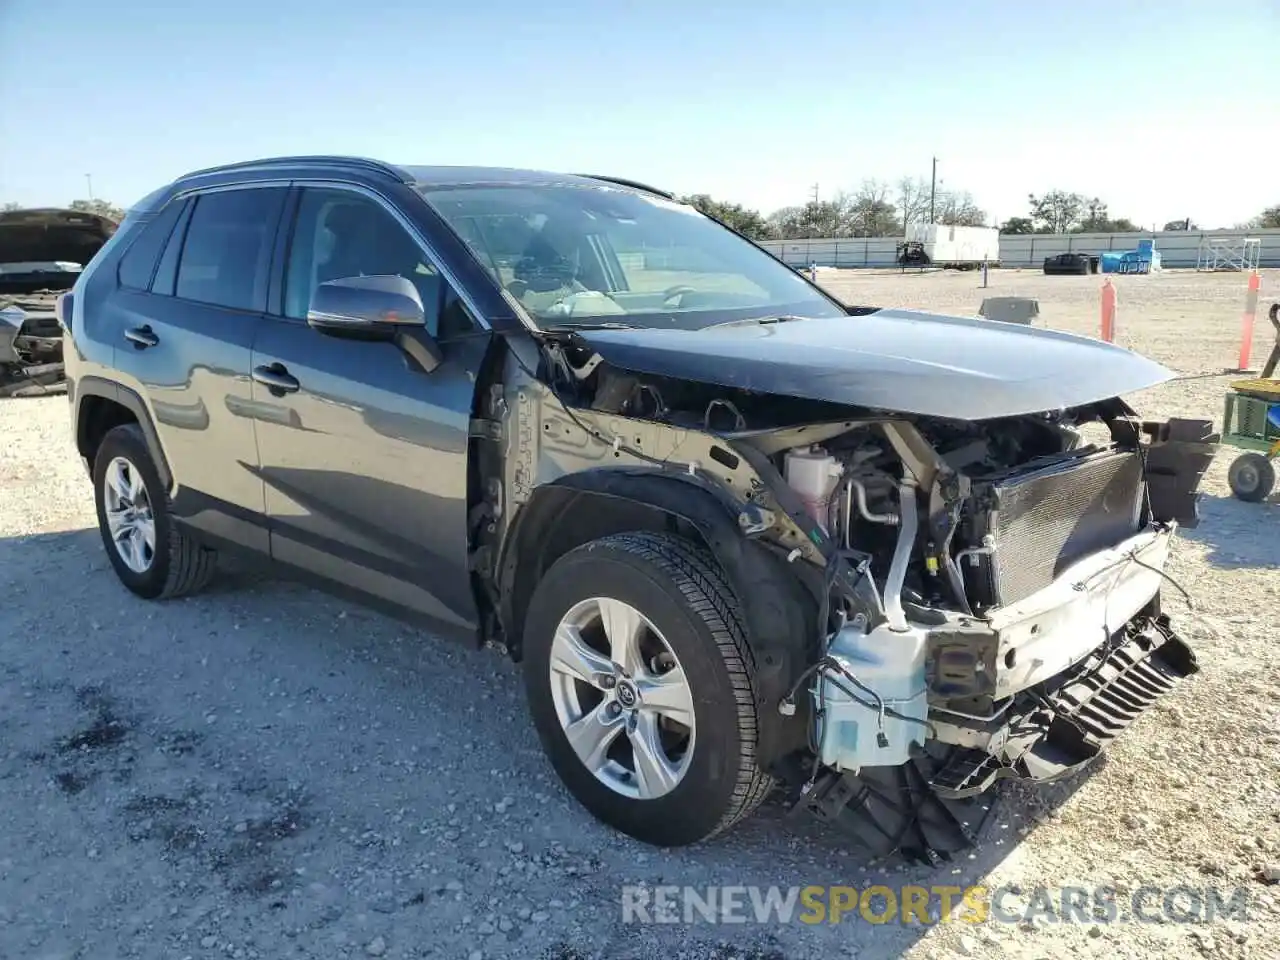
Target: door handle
(276, 378)
(141, 337)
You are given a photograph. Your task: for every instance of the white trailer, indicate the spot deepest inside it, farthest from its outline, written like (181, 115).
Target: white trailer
(939, 245)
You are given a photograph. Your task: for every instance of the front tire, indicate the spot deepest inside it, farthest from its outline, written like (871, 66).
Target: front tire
(150, 554)
(641, 687)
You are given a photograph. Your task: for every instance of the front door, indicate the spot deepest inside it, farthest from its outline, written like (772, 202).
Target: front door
(363, 456)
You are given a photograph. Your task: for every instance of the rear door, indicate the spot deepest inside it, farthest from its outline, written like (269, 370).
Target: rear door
(365, 456)
(186, 324)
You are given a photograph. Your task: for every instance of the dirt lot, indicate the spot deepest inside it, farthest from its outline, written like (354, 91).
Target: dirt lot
(262, 772)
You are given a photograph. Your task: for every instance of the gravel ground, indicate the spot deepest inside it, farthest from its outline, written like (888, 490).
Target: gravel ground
(263, 772)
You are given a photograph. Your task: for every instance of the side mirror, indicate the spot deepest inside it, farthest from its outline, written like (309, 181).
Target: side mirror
(366, 307)
(376, 308)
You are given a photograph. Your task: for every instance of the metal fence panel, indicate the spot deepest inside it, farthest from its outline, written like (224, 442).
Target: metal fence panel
(1177, 248)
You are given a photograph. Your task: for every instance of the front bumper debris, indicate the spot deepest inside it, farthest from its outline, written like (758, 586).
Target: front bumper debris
(1051, 730)
(1044, 635)
(940, 802)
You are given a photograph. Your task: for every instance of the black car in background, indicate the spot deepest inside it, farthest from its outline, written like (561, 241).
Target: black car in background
(1067, 264)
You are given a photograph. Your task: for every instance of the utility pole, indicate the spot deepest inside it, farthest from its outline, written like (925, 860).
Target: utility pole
(933, 189)
(89, 179)
(814, 201)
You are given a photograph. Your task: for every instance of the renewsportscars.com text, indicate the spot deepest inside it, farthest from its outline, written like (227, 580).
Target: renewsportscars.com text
(911, 904)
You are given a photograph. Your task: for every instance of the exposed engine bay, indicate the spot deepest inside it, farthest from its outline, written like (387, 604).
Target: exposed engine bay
(42, 254)
(957, 517)
(989, 590)
(30, 344)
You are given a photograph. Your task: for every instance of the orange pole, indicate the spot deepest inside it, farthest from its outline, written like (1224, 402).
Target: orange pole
(1246, 323)
(1108, 311)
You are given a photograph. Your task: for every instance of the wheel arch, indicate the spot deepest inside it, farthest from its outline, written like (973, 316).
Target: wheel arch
(101, 405)
(778, 606)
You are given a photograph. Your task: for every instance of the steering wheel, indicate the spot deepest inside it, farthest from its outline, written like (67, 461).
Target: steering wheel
(678, 290)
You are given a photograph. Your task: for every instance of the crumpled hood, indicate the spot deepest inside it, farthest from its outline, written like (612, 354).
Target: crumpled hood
(905, 361)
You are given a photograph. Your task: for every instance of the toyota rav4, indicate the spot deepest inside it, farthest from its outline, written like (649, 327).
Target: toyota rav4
(739, 535)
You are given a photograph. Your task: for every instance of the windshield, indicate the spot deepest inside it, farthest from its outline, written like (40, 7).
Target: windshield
(591, 255)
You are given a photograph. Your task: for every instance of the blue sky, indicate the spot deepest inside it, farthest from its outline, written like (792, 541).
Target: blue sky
(1162, 109)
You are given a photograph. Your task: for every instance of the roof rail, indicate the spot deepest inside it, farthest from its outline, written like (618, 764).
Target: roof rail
(267, 163)
(623, 182)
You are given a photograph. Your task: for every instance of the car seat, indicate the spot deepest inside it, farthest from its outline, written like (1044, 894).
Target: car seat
(543, 276)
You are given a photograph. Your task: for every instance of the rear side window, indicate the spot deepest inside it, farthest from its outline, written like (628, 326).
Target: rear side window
(139, 261)
(226, 255)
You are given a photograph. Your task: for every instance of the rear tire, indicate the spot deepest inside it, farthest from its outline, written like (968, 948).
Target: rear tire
(684, 609)
(1252, 477)
(151, 554)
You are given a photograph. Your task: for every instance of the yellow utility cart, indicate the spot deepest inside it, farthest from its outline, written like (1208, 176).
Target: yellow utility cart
(1251, 421)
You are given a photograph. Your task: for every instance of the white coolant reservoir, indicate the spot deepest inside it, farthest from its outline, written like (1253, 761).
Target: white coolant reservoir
(892, 664)
(813, 474)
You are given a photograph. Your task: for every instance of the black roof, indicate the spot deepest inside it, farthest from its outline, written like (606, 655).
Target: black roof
(432, 176)
(425, 176)
(440, 176)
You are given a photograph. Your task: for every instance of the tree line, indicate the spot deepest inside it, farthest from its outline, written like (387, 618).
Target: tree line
(877, 209)
(874, 209)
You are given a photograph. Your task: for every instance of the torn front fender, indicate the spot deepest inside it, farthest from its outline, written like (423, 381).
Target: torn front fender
(778, 607)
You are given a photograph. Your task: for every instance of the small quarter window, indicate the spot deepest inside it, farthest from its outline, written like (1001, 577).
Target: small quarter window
(139, 261)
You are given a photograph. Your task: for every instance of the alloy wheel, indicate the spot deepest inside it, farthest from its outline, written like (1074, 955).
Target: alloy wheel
(623, 700)
(130, 519)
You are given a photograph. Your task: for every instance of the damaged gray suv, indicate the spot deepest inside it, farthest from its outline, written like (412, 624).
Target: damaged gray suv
(741, 537)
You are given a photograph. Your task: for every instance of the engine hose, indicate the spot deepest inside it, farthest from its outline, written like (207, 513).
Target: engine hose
(897, 577)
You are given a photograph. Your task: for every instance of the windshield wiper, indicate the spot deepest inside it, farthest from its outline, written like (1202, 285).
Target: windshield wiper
(757, 321)
(571, 327)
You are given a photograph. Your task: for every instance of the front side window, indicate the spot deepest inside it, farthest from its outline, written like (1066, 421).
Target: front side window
(340, 234)
(591, 254)
(226, 255)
